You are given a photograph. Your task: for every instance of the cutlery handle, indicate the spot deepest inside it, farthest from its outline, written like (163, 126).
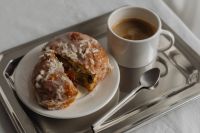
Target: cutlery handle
(121, 104)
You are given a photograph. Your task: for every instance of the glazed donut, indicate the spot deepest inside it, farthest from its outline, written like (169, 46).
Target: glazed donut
(67, 60)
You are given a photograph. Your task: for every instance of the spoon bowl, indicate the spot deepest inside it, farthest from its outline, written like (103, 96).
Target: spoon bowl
(150, 78)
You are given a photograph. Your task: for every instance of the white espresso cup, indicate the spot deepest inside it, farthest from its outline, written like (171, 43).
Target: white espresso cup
(136, 53)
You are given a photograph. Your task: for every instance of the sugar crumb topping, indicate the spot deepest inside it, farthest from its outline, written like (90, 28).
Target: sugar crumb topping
(37, 85)
(74, 49)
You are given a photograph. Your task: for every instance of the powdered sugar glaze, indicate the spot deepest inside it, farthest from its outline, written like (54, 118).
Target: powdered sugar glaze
(82, 49)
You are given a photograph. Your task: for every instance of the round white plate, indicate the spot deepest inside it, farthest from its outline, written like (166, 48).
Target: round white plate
(85, 104)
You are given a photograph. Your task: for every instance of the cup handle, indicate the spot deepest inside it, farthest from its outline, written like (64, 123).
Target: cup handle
(170, 37)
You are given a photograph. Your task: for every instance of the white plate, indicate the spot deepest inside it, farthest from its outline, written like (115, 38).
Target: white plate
(85, 104)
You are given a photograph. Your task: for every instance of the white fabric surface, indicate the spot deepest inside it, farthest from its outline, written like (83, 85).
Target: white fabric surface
(25, 20)
(188, 11)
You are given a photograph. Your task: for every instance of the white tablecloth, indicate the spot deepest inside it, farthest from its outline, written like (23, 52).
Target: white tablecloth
(25, 20)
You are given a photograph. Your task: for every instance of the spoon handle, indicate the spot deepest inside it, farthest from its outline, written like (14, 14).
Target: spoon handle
(121, 104)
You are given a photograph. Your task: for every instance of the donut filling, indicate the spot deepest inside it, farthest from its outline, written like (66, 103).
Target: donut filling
(78, 74)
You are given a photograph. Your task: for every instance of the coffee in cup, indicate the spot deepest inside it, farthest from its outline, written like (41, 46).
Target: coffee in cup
(134, 29)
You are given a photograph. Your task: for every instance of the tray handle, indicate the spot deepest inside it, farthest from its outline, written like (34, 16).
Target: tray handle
(11, 112)
(191, 73)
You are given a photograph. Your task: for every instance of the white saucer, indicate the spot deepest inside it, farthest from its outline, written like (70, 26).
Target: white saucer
(85, 104)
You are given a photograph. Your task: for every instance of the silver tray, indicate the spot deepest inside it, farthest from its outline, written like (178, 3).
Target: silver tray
(179, 84)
